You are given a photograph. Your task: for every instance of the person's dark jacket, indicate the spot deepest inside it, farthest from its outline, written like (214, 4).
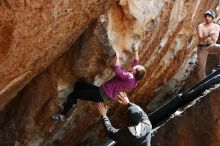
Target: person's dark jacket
(127, 136)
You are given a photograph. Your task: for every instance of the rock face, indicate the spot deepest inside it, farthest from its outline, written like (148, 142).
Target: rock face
(34, 34)
(47, 46)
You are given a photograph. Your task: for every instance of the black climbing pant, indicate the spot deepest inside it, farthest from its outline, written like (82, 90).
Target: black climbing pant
(83, 91)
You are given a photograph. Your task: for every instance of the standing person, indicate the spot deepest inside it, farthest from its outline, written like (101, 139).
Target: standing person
(109, 90)
(208, 33)
(138, 132)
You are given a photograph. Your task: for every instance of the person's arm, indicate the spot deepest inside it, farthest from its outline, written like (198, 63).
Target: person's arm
(136, 50)
(118, 71)
(200, 34)
(110, 130)
(123, 99)
(136, 53)
(216, 33)
(117, 58)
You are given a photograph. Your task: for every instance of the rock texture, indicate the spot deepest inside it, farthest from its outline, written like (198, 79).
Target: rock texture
(35, 33)
(47, 46)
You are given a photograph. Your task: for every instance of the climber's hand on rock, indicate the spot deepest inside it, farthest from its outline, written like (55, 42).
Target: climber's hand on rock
(117, 54)
(117, 58)
(136, 45)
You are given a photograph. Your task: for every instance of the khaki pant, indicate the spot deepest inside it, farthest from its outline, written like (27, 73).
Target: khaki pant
(202, 58)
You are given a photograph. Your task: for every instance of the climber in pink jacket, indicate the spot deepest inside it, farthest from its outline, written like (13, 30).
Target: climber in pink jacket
(110, 89)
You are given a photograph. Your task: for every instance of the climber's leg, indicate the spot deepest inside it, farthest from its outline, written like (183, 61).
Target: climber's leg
(83, 91)
(86, 91)
(70, 103)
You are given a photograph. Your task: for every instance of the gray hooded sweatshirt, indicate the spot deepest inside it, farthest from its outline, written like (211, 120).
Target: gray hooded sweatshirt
(139, 135)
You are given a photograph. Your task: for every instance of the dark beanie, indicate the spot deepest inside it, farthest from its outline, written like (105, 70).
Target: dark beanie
(134, 114)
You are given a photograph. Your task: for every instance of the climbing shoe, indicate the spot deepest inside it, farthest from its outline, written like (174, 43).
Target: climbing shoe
(58, 117)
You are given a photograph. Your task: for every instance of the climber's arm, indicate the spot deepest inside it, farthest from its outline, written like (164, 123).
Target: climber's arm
(136, 53)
